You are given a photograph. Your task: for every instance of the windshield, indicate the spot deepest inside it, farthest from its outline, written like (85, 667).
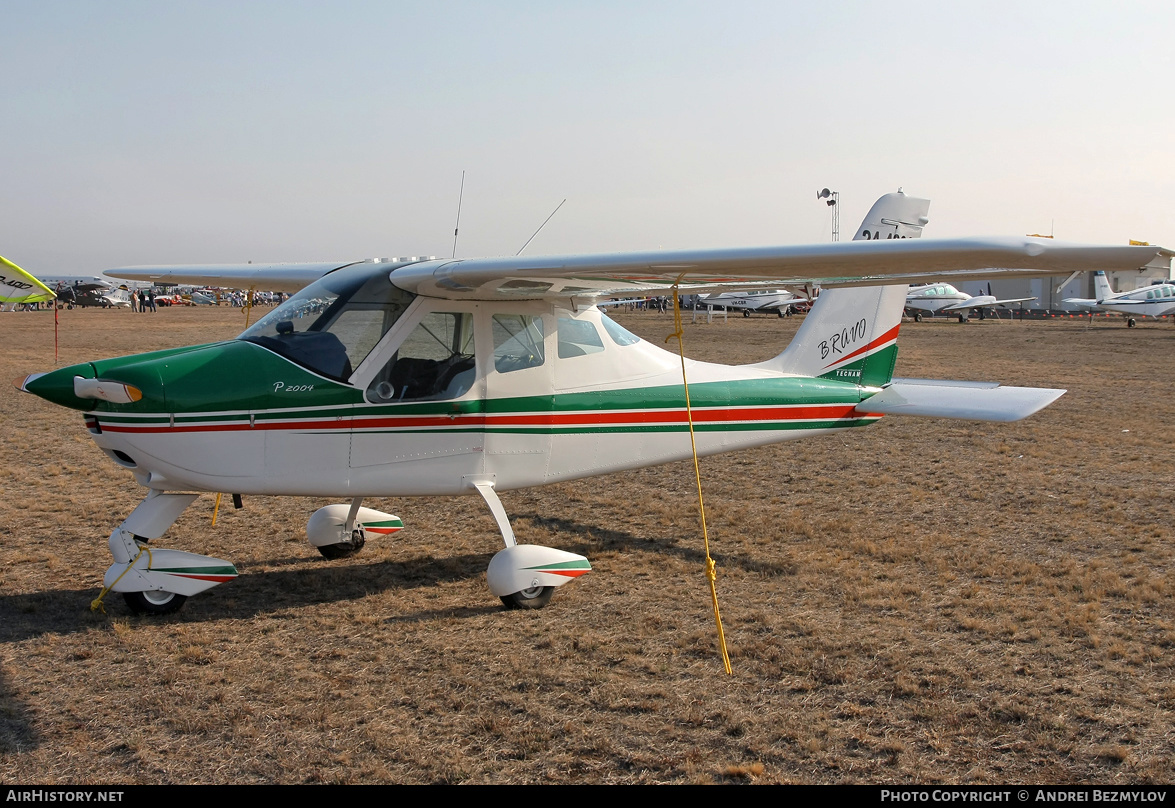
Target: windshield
(331, 326)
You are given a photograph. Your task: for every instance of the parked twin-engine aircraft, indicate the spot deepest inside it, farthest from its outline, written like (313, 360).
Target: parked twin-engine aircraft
(449, 377)
(937, 297)
(1149, 301)
(772, 301)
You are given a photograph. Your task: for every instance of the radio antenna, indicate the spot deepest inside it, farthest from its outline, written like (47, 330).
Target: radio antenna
(456, 227)
(541, 226)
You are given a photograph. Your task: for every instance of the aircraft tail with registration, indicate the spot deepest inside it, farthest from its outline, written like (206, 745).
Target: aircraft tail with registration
(851, 333)
(1101, 287)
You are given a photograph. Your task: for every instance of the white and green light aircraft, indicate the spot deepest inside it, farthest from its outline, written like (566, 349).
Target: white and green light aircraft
(449, 377)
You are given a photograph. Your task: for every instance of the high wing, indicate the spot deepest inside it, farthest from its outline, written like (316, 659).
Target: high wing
(593, 276)
(268, 277)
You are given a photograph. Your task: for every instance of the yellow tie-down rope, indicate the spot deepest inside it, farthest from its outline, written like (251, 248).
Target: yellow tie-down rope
(711, 569)
(96, 604)
(249, 305)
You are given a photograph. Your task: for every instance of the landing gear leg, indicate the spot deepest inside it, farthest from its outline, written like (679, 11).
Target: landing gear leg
(524, 576)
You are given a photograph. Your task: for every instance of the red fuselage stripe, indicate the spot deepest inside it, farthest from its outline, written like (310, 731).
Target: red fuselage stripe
(821, 412)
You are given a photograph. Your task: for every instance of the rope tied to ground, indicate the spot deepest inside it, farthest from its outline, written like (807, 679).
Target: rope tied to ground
(711, 566)
(96, 604)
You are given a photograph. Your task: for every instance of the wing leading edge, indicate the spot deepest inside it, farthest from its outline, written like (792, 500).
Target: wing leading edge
(594, 276)
(267, 277)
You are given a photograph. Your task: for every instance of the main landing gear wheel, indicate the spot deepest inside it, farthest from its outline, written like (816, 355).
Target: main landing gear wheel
(344, 549)
(962, 319)
(917, 317)
(534, 598)
(154, 602)
(1130, 323)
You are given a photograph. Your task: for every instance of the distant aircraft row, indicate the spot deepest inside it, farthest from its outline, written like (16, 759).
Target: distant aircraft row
(930, 299)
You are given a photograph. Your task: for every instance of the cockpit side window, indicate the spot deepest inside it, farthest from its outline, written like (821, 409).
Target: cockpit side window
(435, 362)
(578, 338)
(333, 324)
(619, 334)
(518, 342)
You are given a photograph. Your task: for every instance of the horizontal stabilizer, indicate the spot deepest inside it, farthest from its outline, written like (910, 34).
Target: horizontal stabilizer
(966, 400)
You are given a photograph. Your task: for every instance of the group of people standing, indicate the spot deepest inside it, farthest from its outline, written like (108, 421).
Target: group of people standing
(144, 301)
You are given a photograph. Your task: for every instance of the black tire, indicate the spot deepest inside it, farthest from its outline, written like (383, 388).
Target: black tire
(917, 317)
(346, 549)
(962, 319)
(1130, 322)
(534, 598)
(155, 603)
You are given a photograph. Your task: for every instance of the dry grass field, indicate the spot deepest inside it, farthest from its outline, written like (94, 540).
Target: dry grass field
(917, 602)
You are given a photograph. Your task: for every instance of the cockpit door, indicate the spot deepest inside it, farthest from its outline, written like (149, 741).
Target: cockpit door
(519, 405)
(418, 429)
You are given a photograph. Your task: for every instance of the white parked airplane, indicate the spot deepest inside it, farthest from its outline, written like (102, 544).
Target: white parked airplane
(933, 298)
(767, 300)
(469, 377)
(1149, 301)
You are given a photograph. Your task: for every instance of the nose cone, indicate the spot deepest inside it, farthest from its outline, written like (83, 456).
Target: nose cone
(108, 384)
(58, 386)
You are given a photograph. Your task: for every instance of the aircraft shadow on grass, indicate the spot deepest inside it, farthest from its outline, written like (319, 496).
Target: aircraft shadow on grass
(593, 538)
(65, 611)
(17, 733)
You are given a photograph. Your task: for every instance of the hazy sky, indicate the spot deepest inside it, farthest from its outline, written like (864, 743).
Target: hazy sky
(173, 132)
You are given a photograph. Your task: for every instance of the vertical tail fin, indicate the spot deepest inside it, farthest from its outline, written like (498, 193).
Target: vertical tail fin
(1101, 286)
(894, 216)
(851, 332)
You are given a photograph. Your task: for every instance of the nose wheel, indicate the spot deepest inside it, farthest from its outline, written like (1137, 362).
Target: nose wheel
(154, 602)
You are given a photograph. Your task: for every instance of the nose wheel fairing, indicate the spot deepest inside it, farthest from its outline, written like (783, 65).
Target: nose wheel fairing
(139, 567)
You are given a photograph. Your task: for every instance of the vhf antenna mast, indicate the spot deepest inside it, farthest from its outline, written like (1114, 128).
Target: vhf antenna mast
(456, 227)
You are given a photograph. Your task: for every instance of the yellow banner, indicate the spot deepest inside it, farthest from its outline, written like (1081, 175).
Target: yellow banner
(18, 286)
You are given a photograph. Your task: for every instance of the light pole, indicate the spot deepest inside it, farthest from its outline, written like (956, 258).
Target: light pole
(833, 198)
